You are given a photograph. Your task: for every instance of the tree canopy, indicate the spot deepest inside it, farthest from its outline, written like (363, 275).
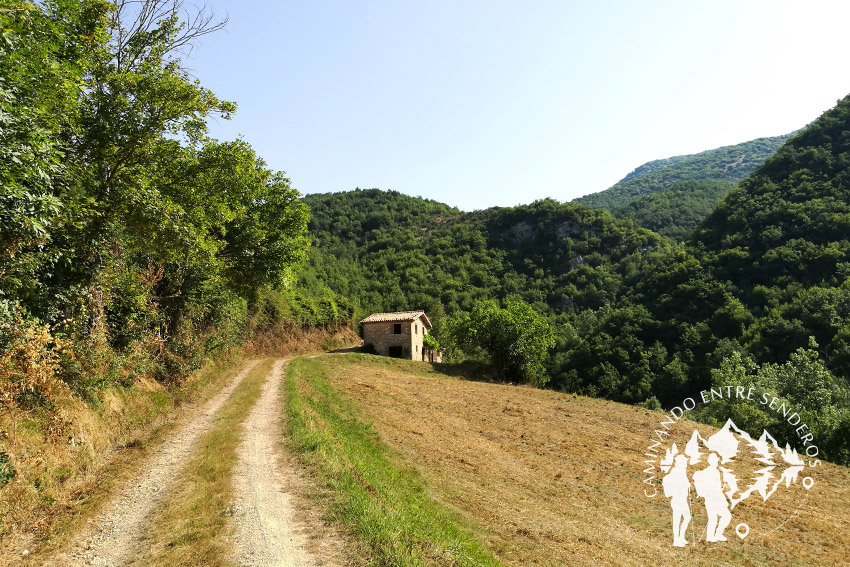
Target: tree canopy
(515, 338)
(124, 226)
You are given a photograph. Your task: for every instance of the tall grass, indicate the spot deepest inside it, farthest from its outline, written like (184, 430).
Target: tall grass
(386, 505)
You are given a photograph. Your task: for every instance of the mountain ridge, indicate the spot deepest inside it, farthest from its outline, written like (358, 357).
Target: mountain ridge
(731, 163)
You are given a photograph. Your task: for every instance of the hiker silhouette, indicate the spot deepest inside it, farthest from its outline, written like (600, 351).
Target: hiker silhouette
(717, 483)
(676, 488)
(708, 483)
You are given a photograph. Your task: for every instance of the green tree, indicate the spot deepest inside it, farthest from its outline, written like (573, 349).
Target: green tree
(45, 51)
(429, 342)
(153, 189)
(803, 383)
(119, 216)
(515, 338)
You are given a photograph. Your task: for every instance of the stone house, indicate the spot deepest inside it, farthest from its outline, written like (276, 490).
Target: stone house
(399, 335)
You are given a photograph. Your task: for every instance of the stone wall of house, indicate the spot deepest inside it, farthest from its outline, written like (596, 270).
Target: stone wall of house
(381, 335)
(416, 340)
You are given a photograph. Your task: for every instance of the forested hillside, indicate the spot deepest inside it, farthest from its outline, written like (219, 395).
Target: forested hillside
(729, 163)
(677, 210)
(758, 295)
(386, 251)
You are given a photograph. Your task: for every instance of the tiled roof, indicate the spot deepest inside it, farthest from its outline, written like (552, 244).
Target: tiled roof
(397, 316)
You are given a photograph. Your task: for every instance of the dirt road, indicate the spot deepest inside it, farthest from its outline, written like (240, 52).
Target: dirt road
(269, 529)
(265, 528)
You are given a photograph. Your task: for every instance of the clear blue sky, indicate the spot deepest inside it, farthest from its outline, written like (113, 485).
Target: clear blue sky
(486, 103)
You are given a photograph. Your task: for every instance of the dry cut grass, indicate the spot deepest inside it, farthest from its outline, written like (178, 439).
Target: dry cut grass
(554, 479)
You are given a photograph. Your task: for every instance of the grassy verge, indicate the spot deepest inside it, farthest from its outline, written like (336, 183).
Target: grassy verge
(190, 529)
(387, 506)
(52, 484)
(58, 487)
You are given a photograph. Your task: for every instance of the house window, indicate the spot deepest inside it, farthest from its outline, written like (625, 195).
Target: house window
(417, 348)
(415, 329)
(397, 329)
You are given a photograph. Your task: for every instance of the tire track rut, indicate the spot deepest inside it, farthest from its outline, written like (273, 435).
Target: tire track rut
(267, 533)
(110, 541)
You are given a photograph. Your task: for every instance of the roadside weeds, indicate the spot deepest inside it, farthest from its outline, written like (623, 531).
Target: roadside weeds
(385, 505)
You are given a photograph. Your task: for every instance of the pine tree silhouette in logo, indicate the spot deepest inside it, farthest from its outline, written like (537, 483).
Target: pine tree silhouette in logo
(708, 466)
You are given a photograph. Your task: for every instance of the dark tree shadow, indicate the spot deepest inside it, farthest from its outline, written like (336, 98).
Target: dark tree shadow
(468, 370)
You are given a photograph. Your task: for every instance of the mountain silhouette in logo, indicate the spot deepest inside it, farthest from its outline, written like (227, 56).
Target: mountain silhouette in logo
(724, 470)
(747, 465)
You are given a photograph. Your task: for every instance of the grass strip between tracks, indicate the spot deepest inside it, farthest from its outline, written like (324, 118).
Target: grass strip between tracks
(386, 505)
(193, 528)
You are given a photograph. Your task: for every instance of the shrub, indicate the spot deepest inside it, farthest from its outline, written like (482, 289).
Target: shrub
(7, 471)
(29, 366)
(651, 404)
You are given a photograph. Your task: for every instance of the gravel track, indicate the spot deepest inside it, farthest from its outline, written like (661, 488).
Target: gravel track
(267, 533)
(109, 541)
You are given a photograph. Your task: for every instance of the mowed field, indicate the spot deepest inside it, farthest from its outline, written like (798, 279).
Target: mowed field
(553, 479)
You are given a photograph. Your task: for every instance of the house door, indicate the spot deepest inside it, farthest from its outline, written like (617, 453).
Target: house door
(395, 351)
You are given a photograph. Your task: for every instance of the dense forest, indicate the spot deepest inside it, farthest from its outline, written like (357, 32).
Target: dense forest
(677, 210)
(729, 163)
(385, 250)
(758, 291)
